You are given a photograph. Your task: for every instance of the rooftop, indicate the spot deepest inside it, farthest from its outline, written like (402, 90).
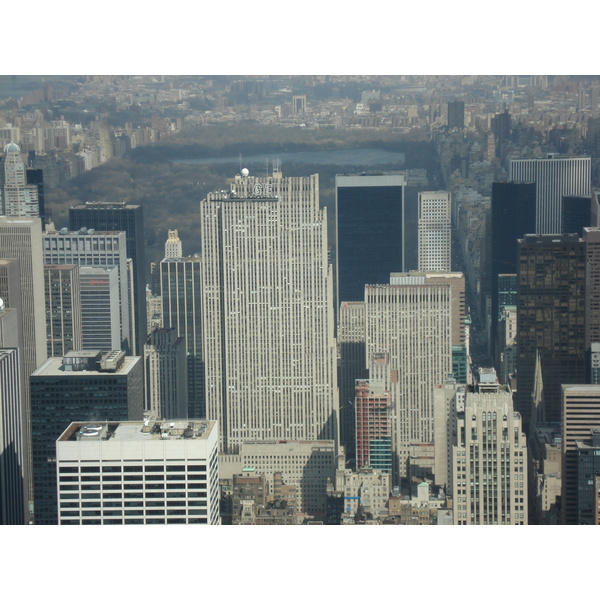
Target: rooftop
(148, 430)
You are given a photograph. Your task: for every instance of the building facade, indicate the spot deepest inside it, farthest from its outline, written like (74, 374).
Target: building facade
(554, 178)
(489, 459)
(267, 311)
(166, 374)
(118, 216)
(411, 323)
(63, 309)
(138, 473)
(580, 415)
(303, 464)
(18, 198)
(434, 230)
(182, 310)
(13, 480)
(91, 248)
(81, 385)
(370, 241)
(550, 319)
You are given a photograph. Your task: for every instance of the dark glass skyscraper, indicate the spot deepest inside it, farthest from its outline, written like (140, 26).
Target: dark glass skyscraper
(456, 114)
(181, 301)
(576, 214)
(513, 216)
(84, 385)
(118, 216)
(550, 314)
(370, 232)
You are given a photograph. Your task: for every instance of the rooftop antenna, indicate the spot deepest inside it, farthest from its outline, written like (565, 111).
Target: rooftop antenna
(276, 166)
(240, 162)
(266, 167)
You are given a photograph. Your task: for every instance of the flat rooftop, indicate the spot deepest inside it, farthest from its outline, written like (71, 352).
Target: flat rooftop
(54, 366)
(148, 430)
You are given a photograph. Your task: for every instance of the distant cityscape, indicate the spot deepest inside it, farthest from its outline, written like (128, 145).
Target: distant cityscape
(300, 300)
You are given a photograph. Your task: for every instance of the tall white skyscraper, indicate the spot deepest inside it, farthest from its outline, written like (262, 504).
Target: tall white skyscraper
(411, 323)
(267, 311)
(17, 198)
(434, 223)
(554, 178)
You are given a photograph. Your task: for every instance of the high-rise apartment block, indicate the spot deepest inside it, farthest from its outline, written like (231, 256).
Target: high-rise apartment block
(489, 458)
(554, 177)
(370, 242)
(166, 374)
(434, 220)
(138, 472)
(551, 319)
(580, 415)
(91, 248)
(17, 197)
(83, 384)
(63, 309)
(118, 216)
(182, 310)
(267, 311)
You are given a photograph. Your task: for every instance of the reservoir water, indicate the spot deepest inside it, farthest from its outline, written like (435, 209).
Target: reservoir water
(368, 158)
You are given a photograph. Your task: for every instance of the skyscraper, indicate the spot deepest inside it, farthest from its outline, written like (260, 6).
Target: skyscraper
(373, 418)
(63, 309)
(550, 317)
(580, 414)
(489, 458)
(513, 216)
(139, 472)
(410, 321)
(118, 216)
(370, 241)
(456, 114)
(554, 178)
(577, 213)
(83, 384)
(92, 248)
(100, 325)
(591, 238)
(22, 239)
(18, 198)
(267, 311)
(182, 311)
(435, 252)
(351, 344)
(166, 374)
(13, 483)
(173, 246)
